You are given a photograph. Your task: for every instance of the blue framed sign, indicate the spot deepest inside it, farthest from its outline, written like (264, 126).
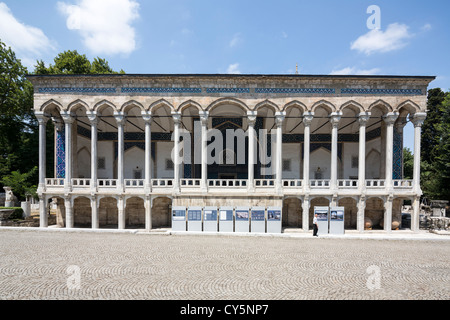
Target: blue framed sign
(178, 215)
(226, 214)
(194, 214)
(274, 214)
(210, 214)
(258, 215)
(242, 214)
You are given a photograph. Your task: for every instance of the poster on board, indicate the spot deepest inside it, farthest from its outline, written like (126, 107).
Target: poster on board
(322, 219)
(337, 220)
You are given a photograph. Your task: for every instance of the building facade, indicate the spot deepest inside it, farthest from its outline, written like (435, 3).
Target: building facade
(290, 141)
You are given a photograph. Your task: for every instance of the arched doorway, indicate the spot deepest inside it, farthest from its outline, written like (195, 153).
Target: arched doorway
(350, 212)
(108, 213)
(82, 212)
(292, 213)
(316, 202)
(161, 212)
(135, 213)
(374, 214)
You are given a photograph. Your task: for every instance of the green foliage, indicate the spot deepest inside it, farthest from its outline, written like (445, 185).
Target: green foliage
(71, 62)
(408, 163)
(17, 214)
(435, 165)
(20, 183)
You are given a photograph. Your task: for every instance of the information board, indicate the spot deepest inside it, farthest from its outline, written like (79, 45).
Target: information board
(178, 218)
(258, 222)
(336, 220)
(242, 223)
(194, 219)
(210, 219)
(226, 223)
(274, 220)
(322, 219)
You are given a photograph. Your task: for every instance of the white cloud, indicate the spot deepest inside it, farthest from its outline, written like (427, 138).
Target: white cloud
(233, 69)
(376, 40)
(104, 25)
(237, 39)
(28, 42)
(426, 27)
(355, 71)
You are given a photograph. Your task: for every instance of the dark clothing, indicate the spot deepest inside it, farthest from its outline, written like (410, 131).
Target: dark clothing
(315, 230)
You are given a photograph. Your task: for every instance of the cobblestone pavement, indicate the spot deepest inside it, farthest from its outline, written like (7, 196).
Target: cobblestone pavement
(48, 265)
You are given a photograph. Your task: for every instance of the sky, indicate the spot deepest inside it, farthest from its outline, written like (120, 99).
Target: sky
(245, 36)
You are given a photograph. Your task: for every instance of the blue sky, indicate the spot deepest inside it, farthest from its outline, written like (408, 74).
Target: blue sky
(200, 36)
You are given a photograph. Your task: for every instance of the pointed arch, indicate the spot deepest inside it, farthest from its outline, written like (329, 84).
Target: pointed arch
(130, 104)
(189, 103)
(386, 107)
(267, 103)
(352, 104)
(78, 104)
(160, 103)
(104, 103)
(51, 103)
(295, 104)
(231, 101)
(410, 106)
(325, 104)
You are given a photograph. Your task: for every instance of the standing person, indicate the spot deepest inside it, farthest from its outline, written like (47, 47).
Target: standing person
(315, 226)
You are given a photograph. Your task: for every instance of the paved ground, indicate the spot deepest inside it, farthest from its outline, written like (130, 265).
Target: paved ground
(87, 265)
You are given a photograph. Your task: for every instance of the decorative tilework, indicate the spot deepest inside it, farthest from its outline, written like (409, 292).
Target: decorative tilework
(60, 153)
(161, 90)
(76, 90)
(296, 90)
(397, 156)
(381, 91)
(227, 90)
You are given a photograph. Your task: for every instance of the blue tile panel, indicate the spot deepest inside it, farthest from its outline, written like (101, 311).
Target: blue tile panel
(76, 90)
(296, 90)
(161, 90)
(382, 91)
(397, 172)
(60, 153)
(227, 90)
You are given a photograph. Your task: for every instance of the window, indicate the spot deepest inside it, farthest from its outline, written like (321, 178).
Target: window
(101, 163)
(286, 164)
(355, 162)
(137, 174)
(169, 164)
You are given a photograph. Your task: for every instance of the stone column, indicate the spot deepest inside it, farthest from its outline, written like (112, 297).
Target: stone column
(389, 119)
(335, 117)
(279, 118)
(121, 212)
(94, 210)
(305, 213)
(69, 212)
(148, 213)
(388, 214)
(120, 119)
(417, 119)
(204, 122)
(148, 151)
(42, 120)
(307, 119)
(43, 215)
(92, 116)
(360, 214)
(176, 150)
(415, 218)
(251, 119)
(68, 120)
(363, 118)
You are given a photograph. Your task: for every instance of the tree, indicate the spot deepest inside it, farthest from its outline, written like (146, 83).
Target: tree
(408, 163)
(71, 62)
(18, 126)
